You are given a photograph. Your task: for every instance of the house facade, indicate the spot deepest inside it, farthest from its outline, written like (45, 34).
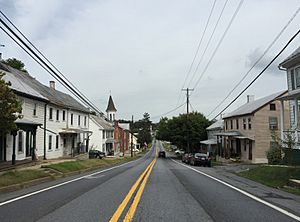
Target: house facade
(53, 123)
(210, 145)
(102, 138)
(291, 65)
(248, 130)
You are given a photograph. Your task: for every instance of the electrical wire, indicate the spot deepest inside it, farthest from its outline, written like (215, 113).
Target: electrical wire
(46, 58)
(208, 43)
(219, 43)
(198, 47)
(278, 54)
(166, 113)
(257, 61)
(49, 69)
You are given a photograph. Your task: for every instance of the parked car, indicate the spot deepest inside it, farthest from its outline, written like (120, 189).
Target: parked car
(162, 154)
(179, 152)
(96, 154)
(187, 157)
(202, 159)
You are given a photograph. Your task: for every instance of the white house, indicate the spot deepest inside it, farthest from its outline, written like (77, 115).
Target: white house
(102, 137)
(291, 65)
(61, 122)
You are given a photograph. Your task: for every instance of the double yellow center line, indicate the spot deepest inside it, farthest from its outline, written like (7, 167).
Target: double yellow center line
(141, 183)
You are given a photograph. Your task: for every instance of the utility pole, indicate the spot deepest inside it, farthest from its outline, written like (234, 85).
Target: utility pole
(131, 145)
(187, 114)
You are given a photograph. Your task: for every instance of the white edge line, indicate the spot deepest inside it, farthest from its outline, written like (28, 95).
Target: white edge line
(244, 192)
(64, 183)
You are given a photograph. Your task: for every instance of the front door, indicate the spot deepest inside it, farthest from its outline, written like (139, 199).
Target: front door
(250, 150)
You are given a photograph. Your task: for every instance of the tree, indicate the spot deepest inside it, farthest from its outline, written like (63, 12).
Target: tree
(179, 130)
(15, 63)
(9, 106)
(142, 127)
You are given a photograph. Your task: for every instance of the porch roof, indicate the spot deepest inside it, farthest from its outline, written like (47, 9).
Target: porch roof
(231, 133)
(291, 96)
(209, 142)
(73, 131)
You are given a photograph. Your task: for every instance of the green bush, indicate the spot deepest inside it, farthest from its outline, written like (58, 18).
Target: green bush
(274, 155)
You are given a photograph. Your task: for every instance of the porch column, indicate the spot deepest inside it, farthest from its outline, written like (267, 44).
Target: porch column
(296, 118)
(34, 145)
(13, 157)
(282, 119)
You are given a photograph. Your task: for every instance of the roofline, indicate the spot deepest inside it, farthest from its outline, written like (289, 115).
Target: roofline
(19, 93)
(254, 111)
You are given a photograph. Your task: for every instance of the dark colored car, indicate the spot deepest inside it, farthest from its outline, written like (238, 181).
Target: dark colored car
(162, 154)
(201, 159)
(186, 158)
(96, 154)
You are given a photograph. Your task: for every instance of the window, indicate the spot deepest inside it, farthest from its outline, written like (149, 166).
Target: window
(85, 121)
(226, 125)
(237, 123)
(244, 124)
(245, 145)
(50, 142)
(78, 120)
(57, 140)
(273, 123)
(20, 141)
(103, 134)
(64, 115)
(249, 124)
(50, 113)
(297, 77)
(34, 109)
(71, 118)
(57, 115)
(272, 106)
(231, 124)
(293, 79)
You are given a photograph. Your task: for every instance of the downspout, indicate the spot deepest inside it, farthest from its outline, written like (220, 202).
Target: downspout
(45, 126)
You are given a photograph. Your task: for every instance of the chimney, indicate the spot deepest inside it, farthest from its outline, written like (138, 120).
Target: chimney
(52, 84)
(250, 98)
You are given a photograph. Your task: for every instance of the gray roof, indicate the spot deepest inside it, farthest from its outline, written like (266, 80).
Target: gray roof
(289, 60)
(251, 107)
(21, 87)
(102, 122)
(52, 95)
(217, 125)
(111, 105)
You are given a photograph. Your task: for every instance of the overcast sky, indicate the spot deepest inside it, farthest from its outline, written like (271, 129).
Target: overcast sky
(141, 51)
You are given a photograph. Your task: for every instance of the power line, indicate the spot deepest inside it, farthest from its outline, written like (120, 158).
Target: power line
(257, 61)
(208, 43)
(50, 70)
(278, 54)
(219, 43)
(166, 113)
(47, 59)
(198, 47)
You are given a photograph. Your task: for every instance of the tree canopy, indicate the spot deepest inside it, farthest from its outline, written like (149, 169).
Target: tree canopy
(183, 128)
(15, 63)
(9, 106)
(142, 127)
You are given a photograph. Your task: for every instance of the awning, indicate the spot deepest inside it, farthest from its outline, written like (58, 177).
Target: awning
(27, 122)
(209, 142)
(73, 131)
(232, 133)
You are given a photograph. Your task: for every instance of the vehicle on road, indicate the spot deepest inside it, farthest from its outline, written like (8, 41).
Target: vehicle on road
(202, 159)
(179, 152)
(96, 154)
(186, 158)
(162, 154)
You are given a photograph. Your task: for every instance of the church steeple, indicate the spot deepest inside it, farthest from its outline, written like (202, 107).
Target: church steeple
(111, 109)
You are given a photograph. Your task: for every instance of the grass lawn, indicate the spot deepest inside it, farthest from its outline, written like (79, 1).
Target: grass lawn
(274, 176)
(15, 177)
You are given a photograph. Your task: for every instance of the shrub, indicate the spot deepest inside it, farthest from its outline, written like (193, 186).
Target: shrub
(274, 155)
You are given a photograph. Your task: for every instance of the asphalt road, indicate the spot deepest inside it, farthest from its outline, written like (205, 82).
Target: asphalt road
(172, 192)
